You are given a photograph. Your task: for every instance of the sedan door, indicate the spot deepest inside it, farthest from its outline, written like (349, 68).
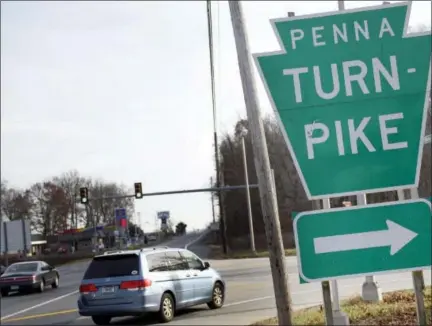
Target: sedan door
(47, 273)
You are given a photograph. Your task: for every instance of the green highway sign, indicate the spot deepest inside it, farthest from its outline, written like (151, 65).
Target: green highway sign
(363, 240)
(350, 91)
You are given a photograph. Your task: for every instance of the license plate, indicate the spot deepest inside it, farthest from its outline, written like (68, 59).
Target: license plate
(108, 289)
(14, 287)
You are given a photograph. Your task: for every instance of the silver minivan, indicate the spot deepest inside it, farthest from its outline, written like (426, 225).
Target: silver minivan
(159, 280)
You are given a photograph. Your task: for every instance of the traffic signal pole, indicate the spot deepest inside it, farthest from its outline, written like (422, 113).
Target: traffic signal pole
(174, 192)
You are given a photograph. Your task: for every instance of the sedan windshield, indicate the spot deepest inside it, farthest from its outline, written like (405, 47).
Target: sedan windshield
(22, 268)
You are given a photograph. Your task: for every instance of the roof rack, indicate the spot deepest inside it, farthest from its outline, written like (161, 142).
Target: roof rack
(155, 248)
(113, 252)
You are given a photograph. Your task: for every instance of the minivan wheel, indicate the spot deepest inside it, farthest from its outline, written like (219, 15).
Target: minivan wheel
(218, 297)
(101, 320)
(4, 293)
(167, 308)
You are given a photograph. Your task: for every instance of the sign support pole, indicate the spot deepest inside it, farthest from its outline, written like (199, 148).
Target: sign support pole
(415, 195)
(417, 276)
(333, 314)
(370, 289)
(325, 286)
(339, 317)
(262, 164)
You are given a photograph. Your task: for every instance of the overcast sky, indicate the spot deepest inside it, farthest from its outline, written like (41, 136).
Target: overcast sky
(121, 91)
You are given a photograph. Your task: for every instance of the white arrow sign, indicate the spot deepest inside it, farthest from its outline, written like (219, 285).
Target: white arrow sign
(396, 236)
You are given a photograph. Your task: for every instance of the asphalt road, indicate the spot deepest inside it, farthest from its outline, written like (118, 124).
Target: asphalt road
(249, 295)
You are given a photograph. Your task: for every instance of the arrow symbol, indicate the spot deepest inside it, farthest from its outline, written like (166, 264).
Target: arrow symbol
(395, 236)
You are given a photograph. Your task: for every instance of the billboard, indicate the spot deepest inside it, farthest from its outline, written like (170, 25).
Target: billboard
(15, 235)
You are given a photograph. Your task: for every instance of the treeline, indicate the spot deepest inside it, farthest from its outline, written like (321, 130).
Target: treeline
(52, 205)
(290, 193)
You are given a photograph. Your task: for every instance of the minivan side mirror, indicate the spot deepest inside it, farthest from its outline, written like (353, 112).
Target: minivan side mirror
(206, 265)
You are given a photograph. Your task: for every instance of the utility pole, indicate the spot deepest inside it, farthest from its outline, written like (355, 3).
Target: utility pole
(222, 224)
(249, 205)
(136, 228)
(216, 146)
(75, 214)
(262, 165)
(212, 201)
(139, 222)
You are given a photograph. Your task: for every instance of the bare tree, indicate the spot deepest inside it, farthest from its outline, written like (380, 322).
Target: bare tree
(16, 204)
(51, 208)
(53, 205)
(102, 211)
(70, 182)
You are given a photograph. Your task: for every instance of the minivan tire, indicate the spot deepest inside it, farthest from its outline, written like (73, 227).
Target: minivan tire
(167, 308)
(218, 296)
(4, 293)
(101, 320)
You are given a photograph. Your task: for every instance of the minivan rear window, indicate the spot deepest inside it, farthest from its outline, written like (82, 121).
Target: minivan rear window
(112, 266)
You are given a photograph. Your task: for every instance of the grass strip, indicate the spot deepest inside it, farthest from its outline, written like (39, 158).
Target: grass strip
(397, 308)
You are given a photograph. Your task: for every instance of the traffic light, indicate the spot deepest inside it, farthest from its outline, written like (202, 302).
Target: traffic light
(138, 190)
(84, 195)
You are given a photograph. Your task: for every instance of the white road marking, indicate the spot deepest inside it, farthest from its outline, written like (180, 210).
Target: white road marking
(38, 305)
(248, 301)
(197, 239)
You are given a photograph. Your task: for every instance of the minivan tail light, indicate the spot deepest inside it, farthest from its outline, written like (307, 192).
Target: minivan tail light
(87, 288)
(135, 285)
